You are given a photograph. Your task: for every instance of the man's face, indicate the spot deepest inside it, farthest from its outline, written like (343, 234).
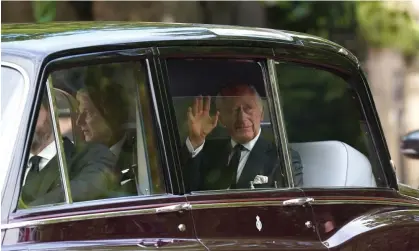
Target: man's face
(43, 129)
(241, 115)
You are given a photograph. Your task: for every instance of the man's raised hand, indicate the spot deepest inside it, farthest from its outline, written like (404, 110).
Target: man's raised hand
(200, 123)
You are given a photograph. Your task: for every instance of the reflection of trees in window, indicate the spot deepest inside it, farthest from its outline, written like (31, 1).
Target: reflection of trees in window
(317, 106)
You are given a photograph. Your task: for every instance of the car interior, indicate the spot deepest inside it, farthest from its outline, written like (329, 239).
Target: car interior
(67, 107)
(327, 163)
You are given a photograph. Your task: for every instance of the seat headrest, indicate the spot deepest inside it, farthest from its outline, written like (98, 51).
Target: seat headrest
(334, 163)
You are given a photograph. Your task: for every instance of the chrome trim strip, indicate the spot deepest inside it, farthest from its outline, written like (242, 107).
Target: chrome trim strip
(59, 143)
(274, 116)
(281, 123)
(192, 206)
(281, 203)
(376, 202)
(156, 110)
(110, 202)
(81, 217)
(236, 204)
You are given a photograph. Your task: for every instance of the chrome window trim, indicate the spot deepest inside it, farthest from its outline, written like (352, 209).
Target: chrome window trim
(266, 203)
(91, 203)
(79, 217)
(197, 206)
(156, 110)
(59, 143)
(274, 115)
(280, 119)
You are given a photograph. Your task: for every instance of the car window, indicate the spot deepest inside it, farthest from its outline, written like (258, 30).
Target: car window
(14, 90)
(222, 110)
(326, 126)
(106, 126)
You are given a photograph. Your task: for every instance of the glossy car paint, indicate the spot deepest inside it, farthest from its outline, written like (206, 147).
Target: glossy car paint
(130, 222)
(341, 219)
(230, 221)
(347, 215)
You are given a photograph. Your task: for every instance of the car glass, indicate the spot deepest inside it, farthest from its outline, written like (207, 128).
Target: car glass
(104, 117)
(13, 95)
(223, 119)
(325, 124)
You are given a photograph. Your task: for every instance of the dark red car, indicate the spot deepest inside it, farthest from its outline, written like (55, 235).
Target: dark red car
(96, 120)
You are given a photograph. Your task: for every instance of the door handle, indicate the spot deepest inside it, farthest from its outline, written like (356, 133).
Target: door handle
(154, 243)
(174, 208)
(148, 244)
(297, 201)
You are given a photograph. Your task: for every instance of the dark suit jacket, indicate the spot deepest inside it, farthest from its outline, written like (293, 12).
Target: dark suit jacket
(91, 172)
(207, 170)
(127, 160)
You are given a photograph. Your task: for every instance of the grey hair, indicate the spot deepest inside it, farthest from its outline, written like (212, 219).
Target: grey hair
(219, 98)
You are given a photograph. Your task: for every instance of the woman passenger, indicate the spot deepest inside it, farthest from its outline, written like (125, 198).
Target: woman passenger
(103, 112)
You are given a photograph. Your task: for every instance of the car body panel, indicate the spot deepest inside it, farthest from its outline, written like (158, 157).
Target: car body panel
(352, 214)
(256, 220)
(127, 222)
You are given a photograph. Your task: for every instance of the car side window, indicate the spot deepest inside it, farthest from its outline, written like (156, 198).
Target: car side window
(222, 113)
(106, 126)
(325, 124)
(14, 91)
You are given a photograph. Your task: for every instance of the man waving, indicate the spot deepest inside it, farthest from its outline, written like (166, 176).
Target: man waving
(232, 163)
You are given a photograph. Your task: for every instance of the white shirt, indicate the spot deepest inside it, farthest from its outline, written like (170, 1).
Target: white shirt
(243, 156)
(46, 155)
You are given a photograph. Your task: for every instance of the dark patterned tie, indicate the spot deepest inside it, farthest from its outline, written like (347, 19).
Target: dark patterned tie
(35, 163)
(234, 164)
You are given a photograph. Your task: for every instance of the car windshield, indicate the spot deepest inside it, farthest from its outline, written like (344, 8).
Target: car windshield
(13, 93)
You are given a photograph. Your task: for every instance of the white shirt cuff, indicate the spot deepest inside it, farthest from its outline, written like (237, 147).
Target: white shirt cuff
(191, 150)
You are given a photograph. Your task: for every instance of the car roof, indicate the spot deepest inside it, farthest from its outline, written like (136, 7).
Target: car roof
(49, 38)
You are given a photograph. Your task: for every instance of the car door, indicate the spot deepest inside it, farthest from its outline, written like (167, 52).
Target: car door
(347, 168)
(141, 208)
(252, 217)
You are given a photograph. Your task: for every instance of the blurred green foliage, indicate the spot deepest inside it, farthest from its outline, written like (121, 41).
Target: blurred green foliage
(371, 22)
(318, 18)
(44, 11)
(318, 106)
(383, 26)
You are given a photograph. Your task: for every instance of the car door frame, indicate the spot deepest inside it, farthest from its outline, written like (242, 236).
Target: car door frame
(34, 221)
(363, 205)
(289, 198)
(26, 66)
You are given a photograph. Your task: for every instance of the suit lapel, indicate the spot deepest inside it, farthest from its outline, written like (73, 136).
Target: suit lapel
(217, 177)
(255, 163)
(30, 189)
(50, 174)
